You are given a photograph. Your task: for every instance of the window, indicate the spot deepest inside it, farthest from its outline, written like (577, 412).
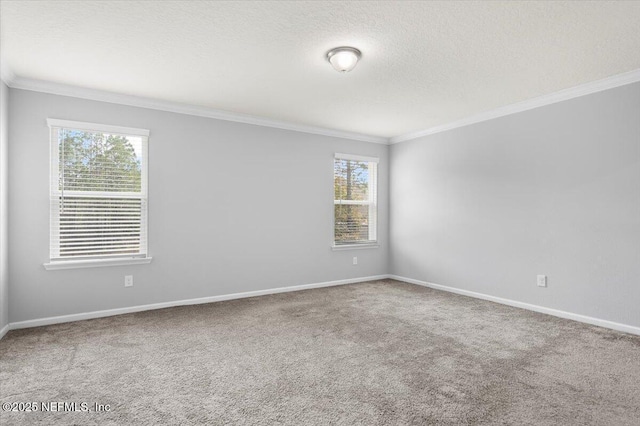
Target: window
(98, 194)
(355, 182)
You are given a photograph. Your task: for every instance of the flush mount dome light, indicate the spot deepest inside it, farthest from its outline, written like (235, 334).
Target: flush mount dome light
(344, 59)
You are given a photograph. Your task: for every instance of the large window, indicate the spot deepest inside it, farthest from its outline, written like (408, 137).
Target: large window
(355, 182)
(98, 192)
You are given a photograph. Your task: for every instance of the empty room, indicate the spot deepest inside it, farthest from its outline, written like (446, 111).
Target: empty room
(320, 213)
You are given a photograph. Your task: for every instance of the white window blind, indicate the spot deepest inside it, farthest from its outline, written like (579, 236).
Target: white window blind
(355, 199)
(98, 191)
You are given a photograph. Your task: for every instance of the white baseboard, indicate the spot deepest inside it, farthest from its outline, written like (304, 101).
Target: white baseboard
(549, 311)
(119, 311)
(4, 331)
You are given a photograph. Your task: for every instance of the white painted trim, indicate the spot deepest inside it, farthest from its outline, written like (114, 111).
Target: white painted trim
(4, 330)
(536, 308)
(119, 311)
(95, 263)
(180, 108)
(354, 157)
(354, 246)
(99, 95)
(104, 128)
(562, 95)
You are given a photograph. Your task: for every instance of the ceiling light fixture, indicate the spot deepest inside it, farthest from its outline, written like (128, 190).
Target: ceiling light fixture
(344, 59)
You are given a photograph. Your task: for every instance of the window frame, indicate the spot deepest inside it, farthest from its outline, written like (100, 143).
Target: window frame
(54, 171)
(372, 203)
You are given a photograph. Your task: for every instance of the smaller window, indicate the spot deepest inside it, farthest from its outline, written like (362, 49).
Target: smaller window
(355, 183)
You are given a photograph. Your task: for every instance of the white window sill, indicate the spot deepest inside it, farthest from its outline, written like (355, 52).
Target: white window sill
(354, 246)
(94, 263)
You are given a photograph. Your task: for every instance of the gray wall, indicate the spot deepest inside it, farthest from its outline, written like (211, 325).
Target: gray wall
(485, 208)
(554, 191)
(232, 208)
(4, 163)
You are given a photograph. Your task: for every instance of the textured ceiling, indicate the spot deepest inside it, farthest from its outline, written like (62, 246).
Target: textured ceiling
(424, 63)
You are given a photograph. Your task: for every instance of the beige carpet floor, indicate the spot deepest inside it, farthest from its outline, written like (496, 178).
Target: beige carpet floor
(376, 353)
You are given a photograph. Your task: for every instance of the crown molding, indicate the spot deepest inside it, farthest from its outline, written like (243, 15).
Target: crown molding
(562, 95)
(180, 108)
(99, 95)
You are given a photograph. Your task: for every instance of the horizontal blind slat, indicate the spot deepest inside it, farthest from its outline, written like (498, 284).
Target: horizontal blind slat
(89, 247)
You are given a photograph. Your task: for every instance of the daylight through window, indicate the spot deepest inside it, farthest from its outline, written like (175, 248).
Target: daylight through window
(98, 191)
(355, 199)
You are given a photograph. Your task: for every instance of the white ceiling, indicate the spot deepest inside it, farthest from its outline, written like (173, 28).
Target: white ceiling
(424, 64)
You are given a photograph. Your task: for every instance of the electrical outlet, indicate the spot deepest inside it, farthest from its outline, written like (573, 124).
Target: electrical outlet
(542, 280)
(128, 280)
(355, 260)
